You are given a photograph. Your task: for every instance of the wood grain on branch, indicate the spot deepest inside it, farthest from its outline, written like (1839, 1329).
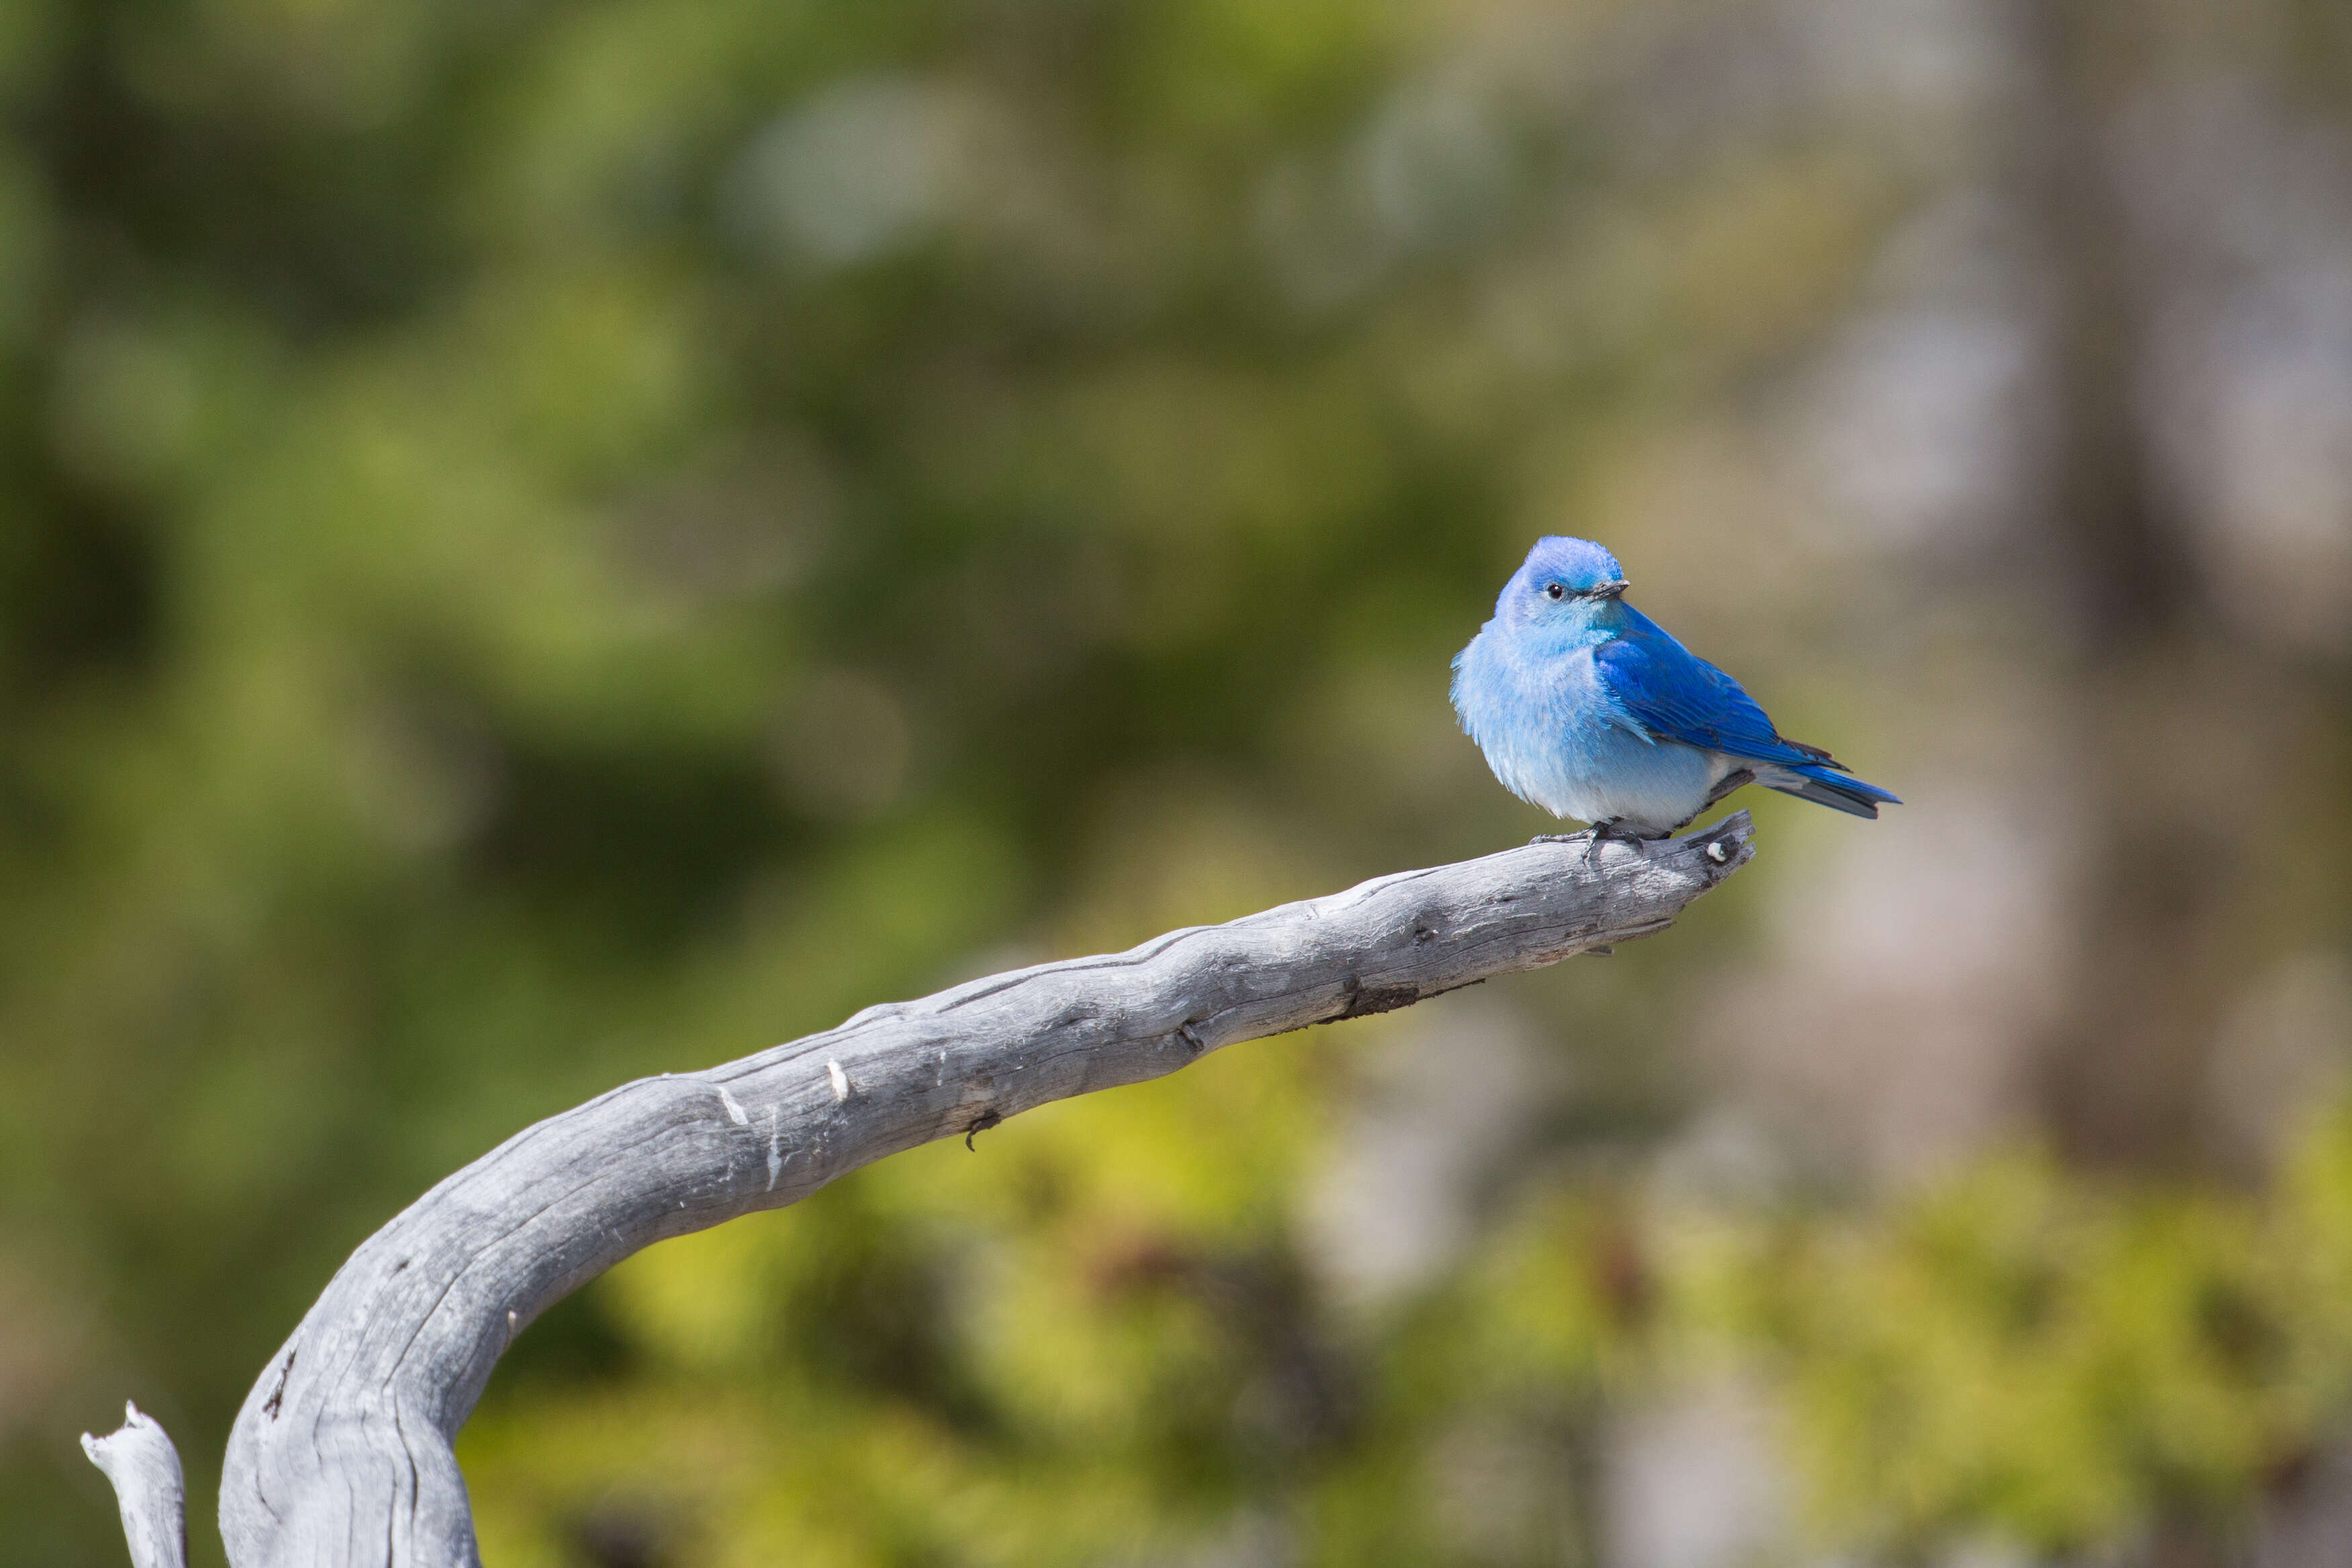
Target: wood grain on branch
(145, 1470)
(342, 1453)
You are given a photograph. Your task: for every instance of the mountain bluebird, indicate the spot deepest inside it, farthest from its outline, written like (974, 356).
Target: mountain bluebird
(1587, 707)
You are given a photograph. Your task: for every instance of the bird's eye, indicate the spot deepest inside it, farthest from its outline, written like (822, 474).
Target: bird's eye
(1555, 591)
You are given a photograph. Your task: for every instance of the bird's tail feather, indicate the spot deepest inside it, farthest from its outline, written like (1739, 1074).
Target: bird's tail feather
(1838, 791)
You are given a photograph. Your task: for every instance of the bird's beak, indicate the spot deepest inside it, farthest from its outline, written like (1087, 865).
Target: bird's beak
(1611, 590)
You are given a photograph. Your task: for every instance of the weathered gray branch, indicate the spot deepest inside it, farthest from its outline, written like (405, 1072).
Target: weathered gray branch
(342, 1454)
(145, 1470)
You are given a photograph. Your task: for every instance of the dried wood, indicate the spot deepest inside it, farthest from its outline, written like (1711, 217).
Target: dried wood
(342, 1454)
(145, 1470)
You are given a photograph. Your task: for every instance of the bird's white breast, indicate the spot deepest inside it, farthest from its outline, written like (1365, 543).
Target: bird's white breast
(1555, 737)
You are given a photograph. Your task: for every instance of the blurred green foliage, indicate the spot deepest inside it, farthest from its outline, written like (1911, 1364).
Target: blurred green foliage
(546, 542)
(2054, 1363)
(1092, 1350)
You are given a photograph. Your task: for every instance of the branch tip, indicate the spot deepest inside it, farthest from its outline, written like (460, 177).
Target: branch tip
(139, 1459)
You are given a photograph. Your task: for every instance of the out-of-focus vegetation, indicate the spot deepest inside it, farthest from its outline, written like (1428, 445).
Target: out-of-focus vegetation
(546, 542)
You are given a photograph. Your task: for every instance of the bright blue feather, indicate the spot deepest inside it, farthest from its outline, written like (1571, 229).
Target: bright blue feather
(1676, 695)
(1589, 708)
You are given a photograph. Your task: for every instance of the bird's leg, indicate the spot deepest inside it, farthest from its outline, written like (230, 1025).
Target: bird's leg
(1593, 836)
(1590, 838)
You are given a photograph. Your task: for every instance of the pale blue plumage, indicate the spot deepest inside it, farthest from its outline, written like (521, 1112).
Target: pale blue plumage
(1587, 708)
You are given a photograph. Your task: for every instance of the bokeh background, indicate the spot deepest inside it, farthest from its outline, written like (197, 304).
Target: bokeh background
(545, 542)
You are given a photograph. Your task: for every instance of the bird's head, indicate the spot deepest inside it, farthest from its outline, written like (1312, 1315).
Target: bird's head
(1562, 579)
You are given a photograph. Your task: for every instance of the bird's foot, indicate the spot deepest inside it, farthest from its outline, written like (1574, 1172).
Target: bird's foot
(1615, 831)
(1612, 831)
(1590, 838)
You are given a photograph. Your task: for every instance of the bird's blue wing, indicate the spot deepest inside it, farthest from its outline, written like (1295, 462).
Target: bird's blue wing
(1671, 694)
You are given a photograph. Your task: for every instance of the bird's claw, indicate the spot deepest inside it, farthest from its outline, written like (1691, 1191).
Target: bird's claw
(1609, 833)
(1591, 839)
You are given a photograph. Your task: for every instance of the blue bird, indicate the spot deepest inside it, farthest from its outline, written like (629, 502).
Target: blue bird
(1586, 706)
